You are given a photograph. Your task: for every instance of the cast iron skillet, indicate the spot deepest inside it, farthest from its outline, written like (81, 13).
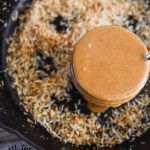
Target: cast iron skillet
(12, 117)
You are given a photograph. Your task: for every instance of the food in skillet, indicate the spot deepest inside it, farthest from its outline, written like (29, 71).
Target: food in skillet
(38, 61)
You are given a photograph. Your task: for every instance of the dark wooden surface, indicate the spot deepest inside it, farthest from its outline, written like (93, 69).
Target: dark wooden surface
(7, 140)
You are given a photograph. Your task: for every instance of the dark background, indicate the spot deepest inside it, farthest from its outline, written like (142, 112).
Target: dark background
(7, 140)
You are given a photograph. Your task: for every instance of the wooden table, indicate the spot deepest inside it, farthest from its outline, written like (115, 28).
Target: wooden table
(7, 140)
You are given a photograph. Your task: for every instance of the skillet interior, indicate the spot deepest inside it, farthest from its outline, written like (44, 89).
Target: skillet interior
(12, 117)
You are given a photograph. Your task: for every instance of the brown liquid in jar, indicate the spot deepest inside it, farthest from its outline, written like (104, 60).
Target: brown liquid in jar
(109, 67)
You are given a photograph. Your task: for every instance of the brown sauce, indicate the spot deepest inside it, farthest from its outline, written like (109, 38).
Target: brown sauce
(109, 64)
